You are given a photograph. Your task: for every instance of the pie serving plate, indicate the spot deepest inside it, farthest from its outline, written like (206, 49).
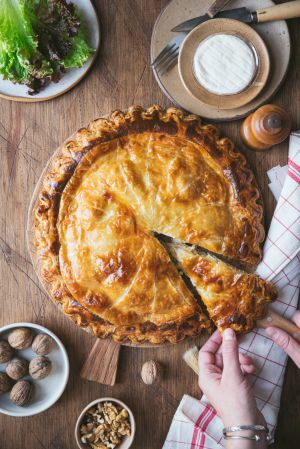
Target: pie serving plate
(100, 211)
(19, 92)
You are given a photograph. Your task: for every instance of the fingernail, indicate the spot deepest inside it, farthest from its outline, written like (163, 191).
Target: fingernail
(228, 334)
(271, 332)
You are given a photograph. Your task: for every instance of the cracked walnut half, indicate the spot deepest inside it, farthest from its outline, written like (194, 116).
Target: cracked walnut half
(105, 425)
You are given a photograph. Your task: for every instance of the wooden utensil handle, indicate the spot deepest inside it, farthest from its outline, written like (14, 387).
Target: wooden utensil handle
(102, 362)
(217, 6)
(273, 319)
(287, 10)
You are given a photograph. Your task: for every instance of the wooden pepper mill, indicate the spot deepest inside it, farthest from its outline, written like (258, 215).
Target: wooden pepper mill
(267, 126)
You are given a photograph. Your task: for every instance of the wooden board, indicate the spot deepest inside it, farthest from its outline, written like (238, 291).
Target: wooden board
(275, 35)
(29, 133)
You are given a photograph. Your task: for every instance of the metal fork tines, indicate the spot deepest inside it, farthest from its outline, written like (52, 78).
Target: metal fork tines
(168, 57)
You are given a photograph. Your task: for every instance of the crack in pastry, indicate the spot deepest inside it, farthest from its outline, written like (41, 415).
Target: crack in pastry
(168, 244)
(165, 239)
(109, 189)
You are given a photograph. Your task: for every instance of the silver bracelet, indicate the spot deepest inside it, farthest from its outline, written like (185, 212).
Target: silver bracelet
(256, 437)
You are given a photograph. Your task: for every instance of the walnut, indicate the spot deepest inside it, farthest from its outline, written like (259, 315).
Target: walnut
(6, 351)
(105, 426)
(5, 383)
(21, 392)
(40, 367)
(151, 372)
(42, 344)
(17, 368)
(20, 338)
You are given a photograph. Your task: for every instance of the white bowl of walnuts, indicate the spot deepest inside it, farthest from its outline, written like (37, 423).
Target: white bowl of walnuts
(34, 369)
(105, 423)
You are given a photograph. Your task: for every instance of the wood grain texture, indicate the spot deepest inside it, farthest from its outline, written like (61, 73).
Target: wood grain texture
(29, 133)
(102, 362)
(273, 319)
(288, 11)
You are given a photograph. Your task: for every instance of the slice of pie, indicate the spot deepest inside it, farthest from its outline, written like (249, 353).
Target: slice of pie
(106, 194)
(233, 298)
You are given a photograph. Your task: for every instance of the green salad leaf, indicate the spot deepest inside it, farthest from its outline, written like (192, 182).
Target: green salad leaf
(79, 53)
(39, 40)
(20, 59)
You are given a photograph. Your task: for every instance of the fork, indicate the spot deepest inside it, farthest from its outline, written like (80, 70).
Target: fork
(167, 58)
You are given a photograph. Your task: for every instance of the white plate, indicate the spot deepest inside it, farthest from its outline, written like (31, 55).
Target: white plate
(18, 92)
(46, 391)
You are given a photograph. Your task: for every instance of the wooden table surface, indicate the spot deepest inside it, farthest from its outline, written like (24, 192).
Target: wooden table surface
(29, 133)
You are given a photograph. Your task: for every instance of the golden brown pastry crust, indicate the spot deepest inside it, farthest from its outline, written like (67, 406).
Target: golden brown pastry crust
(98, 137)
(233, 298)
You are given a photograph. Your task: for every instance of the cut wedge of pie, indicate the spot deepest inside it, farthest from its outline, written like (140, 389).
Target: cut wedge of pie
(107, 194)
(232, 297)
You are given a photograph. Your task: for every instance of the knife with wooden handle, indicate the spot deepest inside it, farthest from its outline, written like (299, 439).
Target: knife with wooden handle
(273, 319)
(283, 11)
(288, 10)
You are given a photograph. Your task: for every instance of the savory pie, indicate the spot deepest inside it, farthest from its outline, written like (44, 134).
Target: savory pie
(232, 297)
(111, 190)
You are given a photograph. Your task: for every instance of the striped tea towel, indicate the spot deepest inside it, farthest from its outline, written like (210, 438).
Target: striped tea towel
(196, 424)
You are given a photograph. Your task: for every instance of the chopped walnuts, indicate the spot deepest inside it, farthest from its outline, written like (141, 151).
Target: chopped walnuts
(104, 426)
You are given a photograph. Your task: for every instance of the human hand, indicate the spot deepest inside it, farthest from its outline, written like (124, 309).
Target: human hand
(222, 379)
(285, 341)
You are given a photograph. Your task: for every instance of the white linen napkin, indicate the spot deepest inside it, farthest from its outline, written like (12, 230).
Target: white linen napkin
(196, 424)
(277, 177)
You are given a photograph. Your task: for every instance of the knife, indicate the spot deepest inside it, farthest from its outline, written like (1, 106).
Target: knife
(284, 11)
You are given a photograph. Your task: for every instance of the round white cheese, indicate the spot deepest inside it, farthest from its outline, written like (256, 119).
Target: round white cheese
(224, 64)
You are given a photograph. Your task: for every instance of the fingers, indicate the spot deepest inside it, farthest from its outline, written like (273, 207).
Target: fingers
(243, 359)
(213, 343)
(231, 355)
(208, 351)
(248, 369)
(296, 318)
(246, 363)
(286, 342)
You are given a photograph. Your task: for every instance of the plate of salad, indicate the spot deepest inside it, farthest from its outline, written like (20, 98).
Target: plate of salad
(46, 46)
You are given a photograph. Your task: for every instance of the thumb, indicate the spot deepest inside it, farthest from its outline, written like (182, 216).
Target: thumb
(230, 353)
(286, 342)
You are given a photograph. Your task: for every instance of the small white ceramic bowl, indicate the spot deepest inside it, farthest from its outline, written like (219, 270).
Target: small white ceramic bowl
(46, 391)
(126, 442)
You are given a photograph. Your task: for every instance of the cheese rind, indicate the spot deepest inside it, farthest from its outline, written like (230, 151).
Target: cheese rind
(224, 64)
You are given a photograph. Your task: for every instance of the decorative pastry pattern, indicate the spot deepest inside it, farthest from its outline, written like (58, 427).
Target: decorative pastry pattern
(107, 193)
